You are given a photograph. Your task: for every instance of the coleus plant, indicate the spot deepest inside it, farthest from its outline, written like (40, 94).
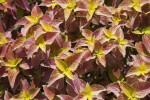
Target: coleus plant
(74, 50)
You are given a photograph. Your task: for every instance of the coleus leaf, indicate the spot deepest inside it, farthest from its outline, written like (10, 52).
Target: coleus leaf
(116, 20)
(23, 4)
(145, 30)
(55, 75)
(25, 85)
(12, 74)
(136, 5)
(90, 39)
(127, 90)
(49, 4)
(3, 41)
(146, 40)
(13, 63)
(3, 1)
(122, 97)
(90, 91)
(115, 88)
(143, 69)
(96, 89)
(36, 13)
(10, 54)
(49, 92)
(125, 3)
(68, 8)
(67, 12)
(33, 92)
(19, 42)
(122, 41)
(109, 34)
(64, 68)
(1, 28)
(113, 77)
(141, 49)
(47, 27)
(7, 95)
(74, 60)
(77, 85)
(102, 10)
(101, 59)
(142, 89)
(71, 3)
(32, 19)
(27, 95)
(93, 4)
(136, 91)
(41, 43)
(65, 97)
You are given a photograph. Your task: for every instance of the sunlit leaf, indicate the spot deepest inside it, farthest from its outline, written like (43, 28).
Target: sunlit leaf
(32, 19)
(61, 64)
(109, 34)
(64, 68)
(93, 4)
(88, 91)
(122, 42)
(146, 30)
(67, 12)
(3, 1)
(143, 69)
(71, 3)
(116, 20)
(137, 32)
(136, 5)
(47, 27)
(41, 43)
(127, 90)
(3, 41)
(13, 63)
(90, 14)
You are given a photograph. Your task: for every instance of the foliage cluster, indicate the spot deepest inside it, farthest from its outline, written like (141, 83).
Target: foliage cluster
(75, 49)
